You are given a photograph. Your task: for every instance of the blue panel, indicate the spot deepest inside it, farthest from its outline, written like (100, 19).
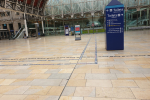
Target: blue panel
(11, 30)
(77, 31)
(114, 27)
(116, 6)
(67, 34)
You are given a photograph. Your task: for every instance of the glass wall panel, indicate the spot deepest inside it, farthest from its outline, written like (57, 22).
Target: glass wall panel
(144, 17)
(138, 18)
(91, 24)
(67, 8)
(98, 21)
(131, 18)
(59, 28)
(49, 29)
(85, 28)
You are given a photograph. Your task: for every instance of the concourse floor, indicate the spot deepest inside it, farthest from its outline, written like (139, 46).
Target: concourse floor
(60, 68)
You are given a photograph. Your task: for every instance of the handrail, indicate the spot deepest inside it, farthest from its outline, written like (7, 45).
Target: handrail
(20, 30)
(17, 33)
(20, 33)
(140, 27)
(135, 21)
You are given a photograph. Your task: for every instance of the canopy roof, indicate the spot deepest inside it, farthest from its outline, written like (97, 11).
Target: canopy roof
(33, 7)
(72, 7)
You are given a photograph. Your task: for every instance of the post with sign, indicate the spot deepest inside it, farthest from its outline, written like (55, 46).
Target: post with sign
(114, 13)
(77, 32)
(66, 30)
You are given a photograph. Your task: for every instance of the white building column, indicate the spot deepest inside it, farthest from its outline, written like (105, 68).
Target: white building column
(42, 26)
(25, 24)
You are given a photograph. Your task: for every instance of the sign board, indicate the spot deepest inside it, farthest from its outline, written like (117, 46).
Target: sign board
(77, 29)
(77, 32)
(114, 26)
(66, 30)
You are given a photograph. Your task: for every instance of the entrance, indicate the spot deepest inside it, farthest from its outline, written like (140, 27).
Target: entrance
(11, 30)
(19, 25)
(11, 26)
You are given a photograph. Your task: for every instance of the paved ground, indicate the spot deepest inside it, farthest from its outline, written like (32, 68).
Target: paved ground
(59, 67)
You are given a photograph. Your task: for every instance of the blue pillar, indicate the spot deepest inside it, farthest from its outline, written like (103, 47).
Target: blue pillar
(114, 13)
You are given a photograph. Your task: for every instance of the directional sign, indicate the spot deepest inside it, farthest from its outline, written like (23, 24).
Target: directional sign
(115, 20)
(114, 26)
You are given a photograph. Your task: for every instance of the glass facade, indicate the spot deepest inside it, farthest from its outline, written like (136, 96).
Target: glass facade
(136, 18)
(89, 14)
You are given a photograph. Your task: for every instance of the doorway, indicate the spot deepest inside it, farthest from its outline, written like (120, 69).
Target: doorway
(19, 25)
(11, 26)
(11, 30)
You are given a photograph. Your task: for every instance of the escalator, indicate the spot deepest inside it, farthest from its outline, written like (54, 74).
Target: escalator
(134, 22)
(19, 34)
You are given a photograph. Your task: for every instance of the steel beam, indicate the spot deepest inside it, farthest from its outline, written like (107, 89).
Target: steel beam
(44, 5)
(25, 7)
(39, 2)
(38, 5)
(5, 3)
(32, 4)
(20, 7)
(19, 11)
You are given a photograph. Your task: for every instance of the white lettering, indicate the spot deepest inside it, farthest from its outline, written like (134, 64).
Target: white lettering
(118, 9)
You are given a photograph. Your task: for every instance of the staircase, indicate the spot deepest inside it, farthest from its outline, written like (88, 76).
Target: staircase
(20, 33)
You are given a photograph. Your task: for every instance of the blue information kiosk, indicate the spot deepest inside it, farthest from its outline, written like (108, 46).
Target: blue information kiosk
(114, 13)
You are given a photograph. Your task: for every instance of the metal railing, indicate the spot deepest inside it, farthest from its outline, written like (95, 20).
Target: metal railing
(19, 32)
